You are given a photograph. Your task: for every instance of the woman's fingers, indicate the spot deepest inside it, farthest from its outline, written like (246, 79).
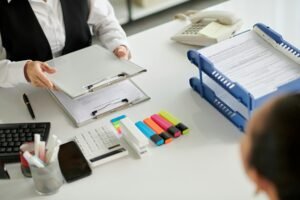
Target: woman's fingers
(122, 52)
(41, 77)
(35, 72)
(55, 88)
(46, 68)
(38, 83)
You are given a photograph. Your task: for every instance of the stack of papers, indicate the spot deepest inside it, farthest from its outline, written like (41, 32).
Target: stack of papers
(253, 63)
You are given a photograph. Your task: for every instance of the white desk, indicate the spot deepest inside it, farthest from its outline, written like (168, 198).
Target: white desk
(203, 165)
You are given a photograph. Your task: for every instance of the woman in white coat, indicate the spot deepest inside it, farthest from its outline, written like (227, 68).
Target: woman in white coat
(33, 31)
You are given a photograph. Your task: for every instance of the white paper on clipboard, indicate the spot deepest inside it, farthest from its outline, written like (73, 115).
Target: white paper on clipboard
(119, 95)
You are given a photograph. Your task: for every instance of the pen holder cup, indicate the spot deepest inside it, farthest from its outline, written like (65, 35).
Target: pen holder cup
(47, 180)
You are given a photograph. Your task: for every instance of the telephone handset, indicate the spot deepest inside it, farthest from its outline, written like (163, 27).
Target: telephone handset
(208, 27)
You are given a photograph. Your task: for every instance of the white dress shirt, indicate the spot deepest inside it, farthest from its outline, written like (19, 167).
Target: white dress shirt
(102, 22)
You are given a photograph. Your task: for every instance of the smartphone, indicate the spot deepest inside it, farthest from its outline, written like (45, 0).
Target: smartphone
(72, 162)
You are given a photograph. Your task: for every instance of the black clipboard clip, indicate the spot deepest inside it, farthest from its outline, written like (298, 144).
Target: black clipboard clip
(125, 102)
(106, 82)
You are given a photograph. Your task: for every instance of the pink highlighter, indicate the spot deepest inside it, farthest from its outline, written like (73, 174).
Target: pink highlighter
(167, 126)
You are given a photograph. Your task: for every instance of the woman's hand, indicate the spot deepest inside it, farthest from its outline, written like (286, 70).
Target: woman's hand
(122, 52)
(35, 74)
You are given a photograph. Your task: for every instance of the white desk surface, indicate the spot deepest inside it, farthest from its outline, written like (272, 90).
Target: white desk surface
(203, 165)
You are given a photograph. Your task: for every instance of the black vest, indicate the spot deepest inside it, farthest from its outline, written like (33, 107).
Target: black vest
(23, 37)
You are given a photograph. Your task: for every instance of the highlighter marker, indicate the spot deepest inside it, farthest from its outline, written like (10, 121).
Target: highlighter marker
(149, 133)
(33, 160)
(176, 122)
(37, 140)
(158, 130)
(42, 151)
(117, 119)
(167, 126)
(116, 123)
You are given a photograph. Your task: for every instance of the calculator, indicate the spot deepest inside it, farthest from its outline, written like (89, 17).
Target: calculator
(100, 145)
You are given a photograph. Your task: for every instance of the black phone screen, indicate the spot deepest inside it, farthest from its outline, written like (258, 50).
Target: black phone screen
(72, 162)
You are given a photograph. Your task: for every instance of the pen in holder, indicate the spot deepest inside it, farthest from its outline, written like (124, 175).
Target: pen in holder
(44, 167)
(25, 168)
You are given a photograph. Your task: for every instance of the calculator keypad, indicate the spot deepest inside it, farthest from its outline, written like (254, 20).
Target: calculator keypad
(97, 141)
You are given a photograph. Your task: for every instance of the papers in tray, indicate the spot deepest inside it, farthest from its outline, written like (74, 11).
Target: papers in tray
(103, 101)
(253, 63)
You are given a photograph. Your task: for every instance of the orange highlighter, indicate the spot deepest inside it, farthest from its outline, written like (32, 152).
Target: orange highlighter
(158, 130)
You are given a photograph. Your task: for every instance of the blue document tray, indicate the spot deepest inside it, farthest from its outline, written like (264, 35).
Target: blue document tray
(242, 96)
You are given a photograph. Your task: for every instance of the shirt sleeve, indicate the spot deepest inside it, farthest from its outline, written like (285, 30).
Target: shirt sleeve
(11, 73)
(105, 25)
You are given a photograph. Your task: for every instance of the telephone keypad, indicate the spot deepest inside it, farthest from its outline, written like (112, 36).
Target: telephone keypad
(194, 29)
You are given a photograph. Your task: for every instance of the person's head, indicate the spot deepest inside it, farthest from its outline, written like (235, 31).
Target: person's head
(270, 148)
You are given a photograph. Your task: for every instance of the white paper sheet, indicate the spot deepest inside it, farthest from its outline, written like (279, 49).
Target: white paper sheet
(102, 101)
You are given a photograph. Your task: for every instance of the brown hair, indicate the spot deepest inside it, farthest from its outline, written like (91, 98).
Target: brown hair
(275, 152)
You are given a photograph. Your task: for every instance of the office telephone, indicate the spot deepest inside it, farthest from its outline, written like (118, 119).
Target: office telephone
(208, 27)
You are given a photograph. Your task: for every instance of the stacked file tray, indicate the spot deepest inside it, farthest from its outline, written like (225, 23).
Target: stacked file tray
(239, 74)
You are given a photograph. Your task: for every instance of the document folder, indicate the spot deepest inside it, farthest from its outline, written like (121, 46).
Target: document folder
(84, 71)
(239, 74)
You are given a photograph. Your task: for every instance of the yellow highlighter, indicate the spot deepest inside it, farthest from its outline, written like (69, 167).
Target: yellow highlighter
(176, 122)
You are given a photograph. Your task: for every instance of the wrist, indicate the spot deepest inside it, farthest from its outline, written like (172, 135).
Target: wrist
(26, 69)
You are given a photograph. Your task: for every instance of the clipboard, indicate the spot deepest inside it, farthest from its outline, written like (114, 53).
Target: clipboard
(103, 101)
(89, 69)
(229, 94)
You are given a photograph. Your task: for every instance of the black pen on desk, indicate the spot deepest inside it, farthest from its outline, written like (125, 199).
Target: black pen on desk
(26, 101)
